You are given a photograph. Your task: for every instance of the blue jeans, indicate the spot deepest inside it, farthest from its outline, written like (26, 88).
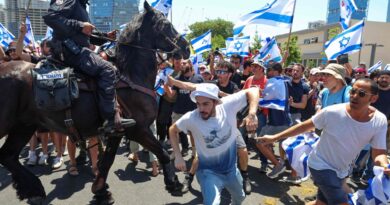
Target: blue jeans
(330, 187)
(212, 183)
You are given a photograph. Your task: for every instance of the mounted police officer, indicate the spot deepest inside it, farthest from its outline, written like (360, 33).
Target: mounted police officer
(71, 44)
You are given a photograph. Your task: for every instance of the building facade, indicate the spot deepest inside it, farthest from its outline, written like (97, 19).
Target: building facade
(311, 43)
(333, 12)
(16, 10)
(108, 15)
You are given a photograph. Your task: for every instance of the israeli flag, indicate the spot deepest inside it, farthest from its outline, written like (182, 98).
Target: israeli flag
(6, 37)
(377, 193)
(349, 41)
(275, 94)
(298, 149)
(163, 5)
(387, 67)
(122, 27)
(278, 13)
(270, 48)
(161, 79)
(202, 43)
(347, 7)
(196, 60)
(377, 66)
(238, 46)
(29, 37)
(49, 33)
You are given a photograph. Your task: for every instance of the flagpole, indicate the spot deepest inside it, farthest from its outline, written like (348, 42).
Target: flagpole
(360, 51)
(289, 35)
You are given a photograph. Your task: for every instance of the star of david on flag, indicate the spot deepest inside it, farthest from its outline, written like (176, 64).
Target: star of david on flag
(163, 5)
(349, 41)
(238, 46)
(277, 13)
(29, 37)
(202, 43)
(347, 7)
(270, 48)
(6, 37)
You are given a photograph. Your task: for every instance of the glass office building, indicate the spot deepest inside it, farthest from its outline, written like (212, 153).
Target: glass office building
(333, 15)
(108, 15)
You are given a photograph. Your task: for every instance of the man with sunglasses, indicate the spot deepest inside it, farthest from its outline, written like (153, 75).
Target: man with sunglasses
(346, 129)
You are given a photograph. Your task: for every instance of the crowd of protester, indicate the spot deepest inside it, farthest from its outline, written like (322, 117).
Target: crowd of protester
(309, 90)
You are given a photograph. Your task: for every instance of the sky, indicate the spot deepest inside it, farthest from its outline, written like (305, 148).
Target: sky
(186, 12)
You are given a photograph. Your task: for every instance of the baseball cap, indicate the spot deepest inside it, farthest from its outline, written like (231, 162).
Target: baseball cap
(360, 69)
(338, 71)
(259, 63)
(314, 71)
(208, 90)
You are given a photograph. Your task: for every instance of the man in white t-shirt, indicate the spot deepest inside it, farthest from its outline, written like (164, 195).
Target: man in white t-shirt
(347, 128)
(213, 126)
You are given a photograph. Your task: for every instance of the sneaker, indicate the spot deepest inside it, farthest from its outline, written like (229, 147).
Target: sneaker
(278, 169)
(247, 185)
(57, 163)
(184, 152)
(187, 183)
(364, 180)
(65, 151)
(32, 158)
(263, 168)
(293, 180)
(43, 159)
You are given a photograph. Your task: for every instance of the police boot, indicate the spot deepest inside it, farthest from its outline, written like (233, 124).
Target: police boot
(117, 126)
(246, 182)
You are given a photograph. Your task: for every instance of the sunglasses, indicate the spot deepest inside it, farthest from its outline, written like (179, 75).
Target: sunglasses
(11, 50)
(361, 93)
(221, 72)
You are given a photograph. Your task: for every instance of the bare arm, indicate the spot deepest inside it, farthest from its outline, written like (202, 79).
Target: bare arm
(380, 159)
(169, 92)
(297, 129)
(174, 138)
(180, 84)
(300, 105)
(2, 53)
(348, 68)
(20, 44)
(251, 122)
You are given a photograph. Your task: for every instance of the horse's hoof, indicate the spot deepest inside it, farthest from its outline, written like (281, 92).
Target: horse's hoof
(37, 200)
(103, 199)
(175, 189)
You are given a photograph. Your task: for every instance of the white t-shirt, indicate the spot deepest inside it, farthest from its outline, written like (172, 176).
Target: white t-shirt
(215, 138)
(343, 138)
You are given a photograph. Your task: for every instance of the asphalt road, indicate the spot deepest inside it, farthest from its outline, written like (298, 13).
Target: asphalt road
(132, 184)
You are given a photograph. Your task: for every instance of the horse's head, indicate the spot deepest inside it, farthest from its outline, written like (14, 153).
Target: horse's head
(166, 38)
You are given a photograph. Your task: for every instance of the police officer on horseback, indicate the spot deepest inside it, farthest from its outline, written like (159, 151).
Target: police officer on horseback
(71, 44)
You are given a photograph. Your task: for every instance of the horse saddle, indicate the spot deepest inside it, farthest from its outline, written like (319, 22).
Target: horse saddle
(56, 86)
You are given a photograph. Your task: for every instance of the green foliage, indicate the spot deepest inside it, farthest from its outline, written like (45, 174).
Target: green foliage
(220, 30)
(332, 32)
(256, 42)
(293, 50)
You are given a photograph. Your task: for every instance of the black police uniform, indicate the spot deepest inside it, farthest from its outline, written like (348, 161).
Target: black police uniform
(66, 17)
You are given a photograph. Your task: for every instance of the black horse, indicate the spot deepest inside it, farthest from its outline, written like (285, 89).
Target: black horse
(136, 59)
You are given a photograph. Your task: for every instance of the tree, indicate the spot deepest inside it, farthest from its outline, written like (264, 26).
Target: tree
(332, 32)
(220, 30)
(256, 42)
(293, 50)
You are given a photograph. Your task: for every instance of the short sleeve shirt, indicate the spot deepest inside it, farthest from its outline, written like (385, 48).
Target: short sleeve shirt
(215, 138)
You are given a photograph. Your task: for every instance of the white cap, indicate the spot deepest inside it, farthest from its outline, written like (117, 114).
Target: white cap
(208, 90)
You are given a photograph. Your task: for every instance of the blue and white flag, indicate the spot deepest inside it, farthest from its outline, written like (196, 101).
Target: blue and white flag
(377, 66)
(202, 43)
(163, 5)
(161, 79)
(238, 46)
(387, 67)
(49, 33)
(298, 149)
(278, 13)
(377, 193)
(347, 7)
(349, 41)
(275, 94)
(122, 27)
(6, 37)
(270, 48)
(196, 60)
(29, 37)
